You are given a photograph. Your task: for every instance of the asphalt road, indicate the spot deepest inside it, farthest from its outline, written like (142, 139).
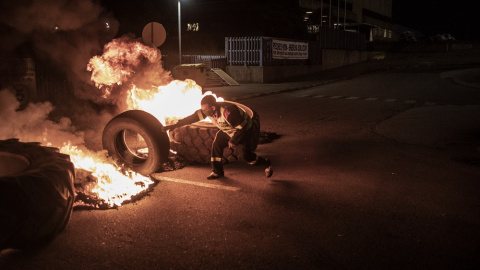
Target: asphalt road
(378, 171)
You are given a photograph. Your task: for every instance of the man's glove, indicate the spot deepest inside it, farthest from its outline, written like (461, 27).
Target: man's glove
(170, 127)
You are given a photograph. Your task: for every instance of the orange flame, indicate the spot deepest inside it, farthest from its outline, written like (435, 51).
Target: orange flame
(169, 102)
(118, 62)
(113, 186)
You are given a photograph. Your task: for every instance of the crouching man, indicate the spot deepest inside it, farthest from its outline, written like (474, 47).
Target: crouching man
(236, 131)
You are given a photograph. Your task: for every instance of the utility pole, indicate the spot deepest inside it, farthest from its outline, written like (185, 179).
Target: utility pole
(338, 14)
(321, 13)
(330, 14)
(179, 35)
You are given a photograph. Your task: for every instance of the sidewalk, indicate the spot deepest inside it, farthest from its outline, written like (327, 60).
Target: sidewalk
(246, 91)
(401, 61)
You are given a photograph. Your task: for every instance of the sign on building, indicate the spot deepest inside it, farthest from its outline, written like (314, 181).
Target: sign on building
(282, 49)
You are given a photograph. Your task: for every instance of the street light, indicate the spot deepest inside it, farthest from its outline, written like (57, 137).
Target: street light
(179, 36)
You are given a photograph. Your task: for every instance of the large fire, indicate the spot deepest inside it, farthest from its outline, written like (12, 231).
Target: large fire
(175, 100)
(112, 185)
(120, 60)
(119, 63)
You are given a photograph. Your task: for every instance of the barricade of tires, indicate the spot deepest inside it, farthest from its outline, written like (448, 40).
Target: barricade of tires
(191, 142)
(194, 142)
(36, 193)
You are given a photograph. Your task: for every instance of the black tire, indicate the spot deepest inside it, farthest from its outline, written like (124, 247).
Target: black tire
(194, 142)
(36, 193)
(120, 138)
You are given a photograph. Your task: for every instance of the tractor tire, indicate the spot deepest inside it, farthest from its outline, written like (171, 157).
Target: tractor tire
(36, 193)
(194, 142)
(129, 134)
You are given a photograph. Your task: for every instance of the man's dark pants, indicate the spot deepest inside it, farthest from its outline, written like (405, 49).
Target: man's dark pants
(245, 150)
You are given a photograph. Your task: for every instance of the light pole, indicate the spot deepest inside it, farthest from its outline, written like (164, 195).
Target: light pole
(179, 35)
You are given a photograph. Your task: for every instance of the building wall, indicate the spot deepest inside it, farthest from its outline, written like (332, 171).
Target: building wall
(375, 12)
(266, 74)
(383, 7)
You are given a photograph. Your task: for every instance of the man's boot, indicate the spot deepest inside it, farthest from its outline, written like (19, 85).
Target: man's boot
(214, 176)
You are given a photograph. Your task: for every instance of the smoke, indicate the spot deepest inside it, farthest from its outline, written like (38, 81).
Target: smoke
(63, 33)
(32, 125)
(48, 14)
(66, 34)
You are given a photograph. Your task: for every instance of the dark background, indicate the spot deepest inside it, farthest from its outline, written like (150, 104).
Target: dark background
(430, 17)
(280, 18)
(427, 16)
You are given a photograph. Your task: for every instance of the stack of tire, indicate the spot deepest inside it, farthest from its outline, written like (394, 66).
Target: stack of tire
(36, 193)
(192, 142)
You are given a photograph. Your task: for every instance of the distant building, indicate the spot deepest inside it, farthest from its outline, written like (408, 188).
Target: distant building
(212, 20)
(371, 17)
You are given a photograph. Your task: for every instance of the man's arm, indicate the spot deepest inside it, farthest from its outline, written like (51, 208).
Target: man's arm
(195, 117)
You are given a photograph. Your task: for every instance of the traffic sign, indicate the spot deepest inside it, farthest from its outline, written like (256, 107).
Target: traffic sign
(154, 34)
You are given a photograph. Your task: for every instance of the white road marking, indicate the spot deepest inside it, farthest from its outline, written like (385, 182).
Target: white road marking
(426, 103)
(164, 178)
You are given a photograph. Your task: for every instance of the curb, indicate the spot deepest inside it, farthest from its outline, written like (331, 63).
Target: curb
(286, 90)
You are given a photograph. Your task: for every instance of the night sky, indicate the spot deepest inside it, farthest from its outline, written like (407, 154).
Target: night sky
(431, 17)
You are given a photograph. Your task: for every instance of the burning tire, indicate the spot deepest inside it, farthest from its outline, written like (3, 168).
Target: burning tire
(36, 193)
(135, 139)
(194, 142)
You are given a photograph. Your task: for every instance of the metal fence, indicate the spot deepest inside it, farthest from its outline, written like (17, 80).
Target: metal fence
(246, 51)
(257, 51)
(211, 61)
